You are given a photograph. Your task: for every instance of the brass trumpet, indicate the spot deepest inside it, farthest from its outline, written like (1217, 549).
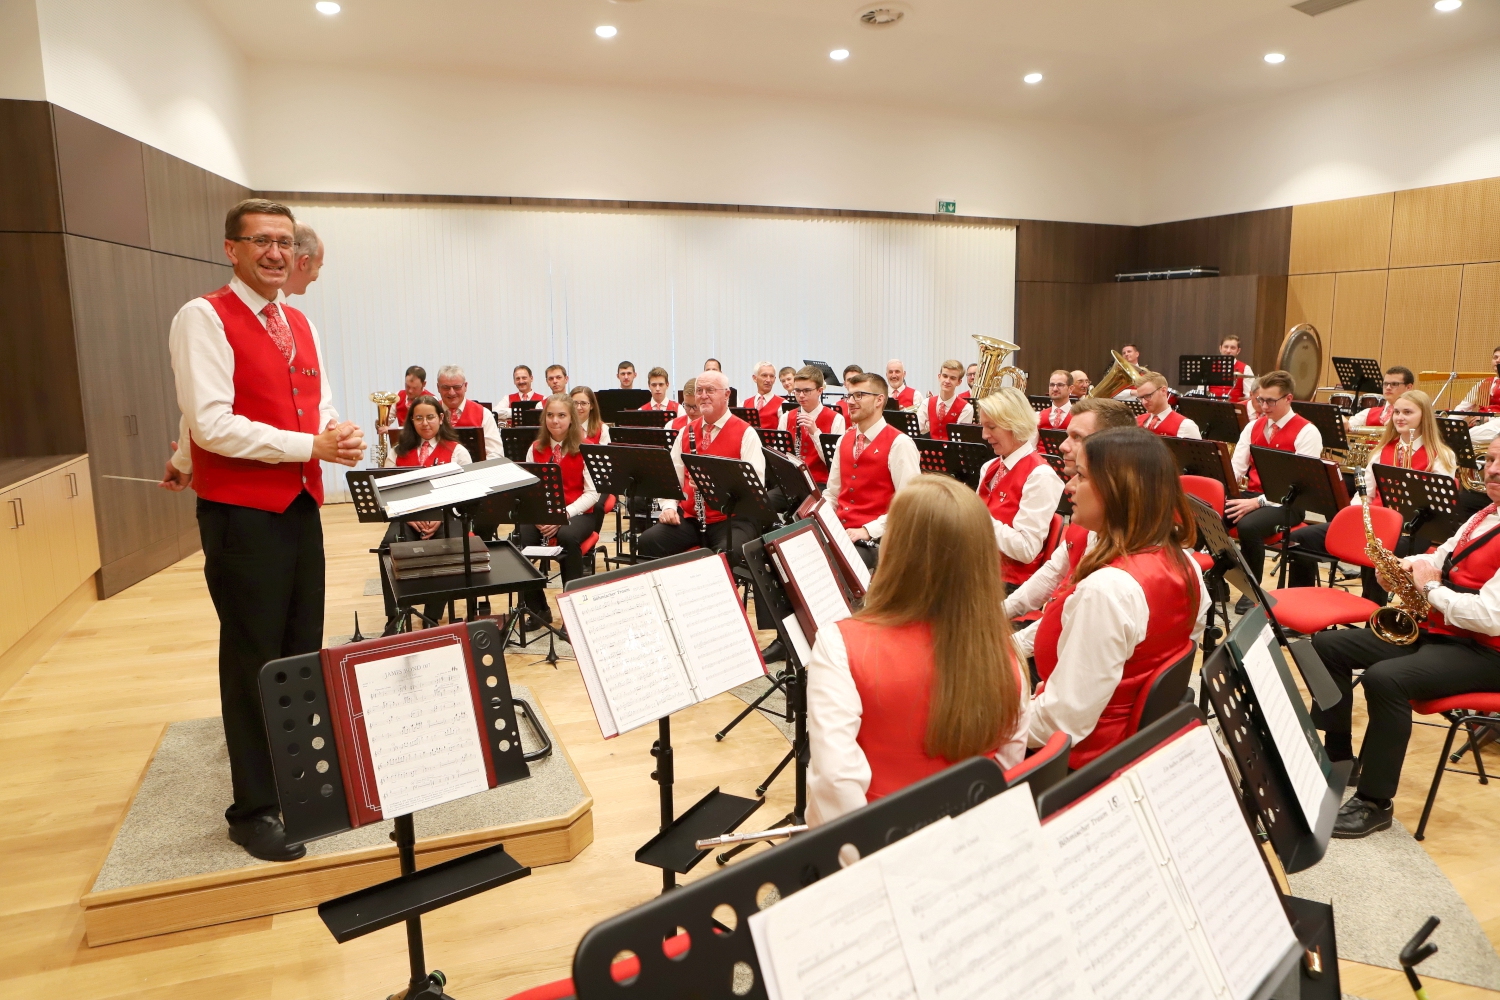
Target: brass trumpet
(1399, 621)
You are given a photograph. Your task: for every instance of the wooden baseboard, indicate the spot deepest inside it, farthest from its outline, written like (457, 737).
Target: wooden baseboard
(131, 569)
(23, 655)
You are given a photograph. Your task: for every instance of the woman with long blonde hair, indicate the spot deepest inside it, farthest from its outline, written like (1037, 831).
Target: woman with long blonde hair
(925, 675)
(557, 441)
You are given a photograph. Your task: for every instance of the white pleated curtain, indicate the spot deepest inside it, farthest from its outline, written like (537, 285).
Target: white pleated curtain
(491, 288)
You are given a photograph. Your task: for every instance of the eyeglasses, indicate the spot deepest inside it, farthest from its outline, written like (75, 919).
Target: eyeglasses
(263, 242)
(805, 392)
(1268, 401)
(1395, 385)
(866, 395)
(452, 388)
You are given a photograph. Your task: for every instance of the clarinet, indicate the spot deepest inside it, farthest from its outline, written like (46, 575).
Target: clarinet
(700, 508)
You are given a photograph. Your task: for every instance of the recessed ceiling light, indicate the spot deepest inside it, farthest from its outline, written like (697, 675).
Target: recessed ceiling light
(606, 31)
(327, 7)
(1032, 78)
(839, 55)
(1275, 57)
(1446, 5)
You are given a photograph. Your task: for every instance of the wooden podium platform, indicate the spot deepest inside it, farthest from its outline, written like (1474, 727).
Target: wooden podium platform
(171, 866)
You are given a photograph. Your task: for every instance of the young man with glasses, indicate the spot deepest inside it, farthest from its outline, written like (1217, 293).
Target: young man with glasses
(810, 419)
(1277, 426)
(1056, 416)
(947, 406)
(1397, 381)
(873, 461)
(1160, 418)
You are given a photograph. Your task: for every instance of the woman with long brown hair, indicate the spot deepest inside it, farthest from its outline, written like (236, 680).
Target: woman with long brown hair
(1135, 602)
(925, 675)
(557, 441)
(595, 431)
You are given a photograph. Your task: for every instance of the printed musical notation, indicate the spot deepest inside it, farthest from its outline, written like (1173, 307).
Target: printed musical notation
(633, 651)
(809, 568)
(717, 643)
(419, 720)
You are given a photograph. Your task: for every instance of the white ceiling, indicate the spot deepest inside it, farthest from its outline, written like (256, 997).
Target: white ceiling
(1126, 61)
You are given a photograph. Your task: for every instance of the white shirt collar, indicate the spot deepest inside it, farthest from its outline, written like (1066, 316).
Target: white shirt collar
(250, 296)
(874, 430)
(1065, 407)
(1020, 453)
(1278, 424)
(718, 425)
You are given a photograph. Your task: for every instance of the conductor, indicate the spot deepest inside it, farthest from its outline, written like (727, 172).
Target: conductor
(257, 421)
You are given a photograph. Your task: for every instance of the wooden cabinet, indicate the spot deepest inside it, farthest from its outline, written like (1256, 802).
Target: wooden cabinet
(12, 600)
(27, 505)
(48, 542)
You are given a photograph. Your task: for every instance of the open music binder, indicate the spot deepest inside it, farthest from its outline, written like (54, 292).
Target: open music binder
(655, 638)
(852, 568)
(806, 569)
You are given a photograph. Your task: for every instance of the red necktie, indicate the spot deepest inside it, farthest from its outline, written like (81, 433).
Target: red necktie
(1151, 424)
(1270, 431)
(277, 328)
(859, 444)
(557, 455)
(423, 452)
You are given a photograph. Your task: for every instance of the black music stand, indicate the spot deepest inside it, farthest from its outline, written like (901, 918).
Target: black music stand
(748, 414)
(1289, 478)
(643, 418)
(1455, 431)
(828, 444)
(969, 458)
(933, 456)
(1206, 369)
(1327, 419)
(1206, 458)
(613, 402)
(531, 417)
(544, 503)
(517, 441)
(1427, 501)
(472, 438)
(730, 486)
(631, 470)
(904, 421)
(830, 377)
(780, 440)
(1359, 374)
(1049, 440)
(969, 433)
(1040, 404)
(1135, 406)
(522, 405)
(789, 474)
(655, 437)
(1217, 419)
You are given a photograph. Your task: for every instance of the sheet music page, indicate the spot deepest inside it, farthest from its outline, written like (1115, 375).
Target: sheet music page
(460, 486)
(829, 519)
(834, 940)
(710, 623)
(419, 719)
(977, 907)
(417, 475)
(799, 638)
(1286, 728)
(802, 556)
(1129, 935)
(1217, 860)
(633, 651)
(586, 668)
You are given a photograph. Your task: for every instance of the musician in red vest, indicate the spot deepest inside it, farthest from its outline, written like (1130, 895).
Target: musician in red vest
(1090, 416)
(947, 406)
(1485, 396)
(658, 381)
(522, 377)
(416, 385)
(453, 386)
(1160, 418)
(557, 441)
(1278, 426)
(913, 683)
(765, 399)
(810, 419)
(872, 462)
(1135, 602)
(1017, 485)
(1457, 651)
(1244, 383)
(895, 377)
(257, 422)
(850, 371)
(786, 375)
(595, 430)
(1398, 380)
(1056, 416)
(427, 439)
(688, 412)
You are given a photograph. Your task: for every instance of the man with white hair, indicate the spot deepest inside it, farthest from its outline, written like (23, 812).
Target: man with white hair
(895, 377)
(453, 386)
(765, 399)
(307, 260)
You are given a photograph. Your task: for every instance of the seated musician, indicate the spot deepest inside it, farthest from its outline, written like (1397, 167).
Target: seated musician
(912, 683)
(1244, 383)
(850, 371)
(1410, 441)
(1056, 416)
(1018, 486)
(765, 399)
(1089, 417)
(810, 419)
(625, 372)
(557, 379)
(895, 377)
(1160, 418)
(1134, 603)
(1457, 651)
(1485, 396)
(1277, 426)
(873, 461)
(426, 439)
(658, 381)
(521, 376)
(1081, 384)
(1397, 381)
(970, 374)
(586, 404)
(416, 385)
(689, 409)
(557, 441)
(453, 386)
(786, 376)
(1132, 354)
(947, 406)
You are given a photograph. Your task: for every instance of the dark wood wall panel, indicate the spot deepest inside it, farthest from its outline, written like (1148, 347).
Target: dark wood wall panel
(29, 199)
(185, 206)
(103, 181)
(1060, 329)
(1246, 243)
(1072, 251)
(42, 409)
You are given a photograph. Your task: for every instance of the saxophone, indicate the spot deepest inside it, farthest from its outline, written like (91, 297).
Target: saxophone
(1397, 622)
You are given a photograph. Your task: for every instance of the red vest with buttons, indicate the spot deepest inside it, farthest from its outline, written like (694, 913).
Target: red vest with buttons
(906, 398)
(1169, 631)
(865, 486)
(1471, 564)
(770, 413)
(726, 444)
(1048, 419)
(472, 415)
(572, 471)
(1236, 392)
(1001, 492)
(1377, 415)
(403, 402)
(1285, 440)
(670, 406)
(1419, 463)
(1489, 395)
(441, 454)
(809, 450)
(937, 427)
(268, 389)
(678, 423)
(893, 669)
(1168, 425)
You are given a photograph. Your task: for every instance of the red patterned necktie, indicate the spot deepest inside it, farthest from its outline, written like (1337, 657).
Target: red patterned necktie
(1151, 424)
(423, 452)
(557, 455)
(859, 445)
(277, 328)
(1271, 429)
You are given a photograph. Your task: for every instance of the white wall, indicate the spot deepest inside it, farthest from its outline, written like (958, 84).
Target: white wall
(21, 76)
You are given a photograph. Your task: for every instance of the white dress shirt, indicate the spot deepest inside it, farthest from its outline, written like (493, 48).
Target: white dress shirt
(1055, 414)
(1362, 418)
(750, 451)
(965, 415)
(1476, 612)
(491, 434)
(1023, 538)
(590, 494)
(1039, 586)
(789, 424)
(203, 369)
(1103, 620)
(460, 456)
(1472, 400)
(902, 461)
(1309, 442)
(1187, 429)
(603, 434)
(838, 774)
(664, 405)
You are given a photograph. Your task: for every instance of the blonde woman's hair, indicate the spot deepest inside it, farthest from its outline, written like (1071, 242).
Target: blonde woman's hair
(574, 437)
(1439, 454)
(1009, 408)
(939, 564)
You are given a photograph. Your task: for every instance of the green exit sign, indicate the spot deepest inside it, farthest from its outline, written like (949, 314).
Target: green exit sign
(947, 207)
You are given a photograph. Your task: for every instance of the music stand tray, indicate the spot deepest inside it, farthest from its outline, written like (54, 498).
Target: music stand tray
(1217, 419)
(830, 377)
(1359, 374)
(612, 402)
(1327, 419)
(1206, 369)
(643, 418)
(1207, 458)
(730, 486)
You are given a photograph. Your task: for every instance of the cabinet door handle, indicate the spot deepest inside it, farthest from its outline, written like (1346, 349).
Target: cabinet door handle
(72, 484)
(18, 513)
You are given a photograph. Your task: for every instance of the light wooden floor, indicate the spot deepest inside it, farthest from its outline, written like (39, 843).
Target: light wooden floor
(77, 730)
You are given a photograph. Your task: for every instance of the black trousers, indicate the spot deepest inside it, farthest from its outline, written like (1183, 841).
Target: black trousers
(265, 575)
(571, 537)
(724, 536)
(1312, 540)
(1255, 527)
(1435, 666)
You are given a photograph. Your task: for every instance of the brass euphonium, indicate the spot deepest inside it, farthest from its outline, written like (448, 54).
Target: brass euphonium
(1122, 375)
(992, 352)
(1397, 622)
(383, 402)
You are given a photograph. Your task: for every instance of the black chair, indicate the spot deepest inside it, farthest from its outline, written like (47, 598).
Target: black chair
(1044, 768)
(1165, 692)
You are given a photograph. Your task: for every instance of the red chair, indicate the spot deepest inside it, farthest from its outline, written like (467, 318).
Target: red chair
(1313, 609)
(1044, 768)
(1467, 710)
(622, 972)
(1210, 491)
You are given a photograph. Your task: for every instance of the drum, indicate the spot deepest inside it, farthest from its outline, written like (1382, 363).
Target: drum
(1343, 400)
(1301, 355)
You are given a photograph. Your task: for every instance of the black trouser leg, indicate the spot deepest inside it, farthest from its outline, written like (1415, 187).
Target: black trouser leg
(663, 539)
(1255, 527)
(265, 574)
(1309, 542)
(730, 537)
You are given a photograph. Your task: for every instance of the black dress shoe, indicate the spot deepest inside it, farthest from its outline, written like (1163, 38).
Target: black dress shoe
(1243, 605)
(1360, 818)
(264, 837)
(775, 651)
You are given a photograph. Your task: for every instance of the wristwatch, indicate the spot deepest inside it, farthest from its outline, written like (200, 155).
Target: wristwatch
(1431, 585)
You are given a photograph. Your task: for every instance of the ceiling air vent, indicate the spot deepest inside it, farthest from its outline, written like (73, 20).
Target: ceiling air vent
(885, 15)
(1312, 8)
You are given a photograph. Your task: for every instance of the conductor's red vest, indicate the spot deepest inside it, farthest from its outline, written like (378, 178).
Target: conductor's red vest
(937, 429)
(441, 454)
(1001, 492)
(726, 444)
(268, 389)
(1285, 440)
(865, 486)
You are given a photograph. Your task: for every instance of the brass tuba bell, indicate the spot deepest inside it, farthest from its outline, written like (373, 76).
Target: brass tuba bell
(1122, 375)
(992, 352)
(383, 401)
